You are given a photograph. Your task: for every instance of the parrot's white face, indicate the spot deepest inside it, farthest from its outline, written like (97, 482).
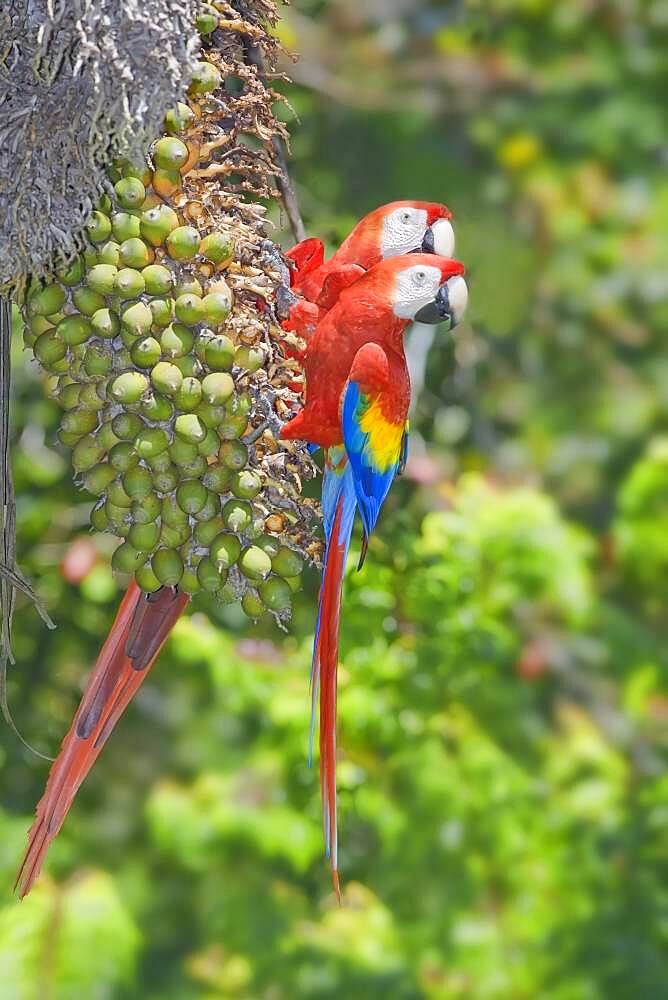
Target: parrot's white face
(415, 287)
(403, 231)
(422, 295)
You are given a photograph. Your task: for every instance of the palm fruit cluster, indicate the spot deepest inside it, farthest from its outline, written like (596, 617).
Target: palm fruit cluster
(163, 345)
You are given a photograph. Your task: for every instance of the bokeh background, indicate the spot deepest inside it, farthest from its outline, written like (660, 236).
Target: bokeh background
(503, 701)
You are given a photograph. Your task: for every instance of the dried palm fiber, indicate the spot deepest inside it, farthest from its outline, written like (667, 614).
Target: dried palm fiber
(164, 344)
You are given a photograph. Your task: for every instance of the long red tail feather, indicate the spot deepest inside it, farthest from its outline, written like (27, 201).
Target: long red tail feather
(326, 657)
(142, 625)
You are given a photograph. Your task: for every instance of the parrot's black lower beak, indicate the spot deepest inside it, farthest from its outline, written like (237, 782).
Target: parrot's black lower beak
(447, 306)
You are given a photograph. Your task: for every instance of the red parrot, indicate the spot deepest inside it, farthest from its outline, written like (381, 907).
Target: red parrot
(357, 397)
(140, 629)
(389, 231)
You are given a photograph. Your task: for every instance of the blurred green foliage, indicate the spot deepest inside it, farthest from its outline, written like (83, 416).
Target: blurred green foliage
(503, 705)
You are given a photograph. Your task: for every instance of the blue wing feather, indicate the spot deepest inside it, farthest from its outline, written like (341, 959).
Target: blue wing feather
(372, 476)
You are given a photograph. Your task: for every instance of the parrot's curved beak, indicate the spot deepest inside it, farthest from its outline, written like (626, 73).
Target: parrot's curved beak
(439, 238)
(447, 306)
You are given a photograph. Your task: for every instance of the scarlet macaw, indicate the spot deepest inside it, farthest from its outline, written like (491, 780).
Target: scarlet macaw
(391, 230)
(356, 404)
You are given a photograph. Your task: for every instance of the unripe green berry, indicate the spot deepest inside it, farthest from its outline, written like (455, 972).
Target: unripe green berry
(167, 566)
(130, 192)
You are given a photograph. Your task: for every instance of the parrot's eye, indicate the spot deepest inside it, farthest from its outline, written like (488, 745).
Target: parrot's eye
(405, 217)
(420, 277)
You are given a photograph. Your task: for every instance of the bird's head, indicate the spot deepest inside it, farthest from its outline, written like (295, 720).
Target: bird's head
(399, 228)
(427, 288)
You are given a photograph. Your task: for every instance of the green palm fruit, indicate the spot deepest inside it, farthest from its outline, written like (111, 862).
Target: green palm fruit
(188, 365)
(146, 510)
(286, 562)
(106, 436)
(209, 576)
(105, 324)
(117, 495)
(234, 454)
(189, 427)
(195, 468)
(188, 285)
(144, 537)
(189, 394)
(252, 606)
(232, 427)
(172, 514)
(73, 273)
(117, 517)
(151, 441)
(47, 301)
(135, 253)
(246, 484)
(189, 581)
(167, 566)
(98, 228)
(210, 509)
(157, 278)
(87, 453)
(79, 422)
(97, 361)
(123, 456)
(254, 563)
(137, 319)
(145, 353)
(155, 226)
(165, 479)
(128, 387)
(216, 307)
(216, 248)
(205, 79)
(182, 452)
(125, 226)
(217, 388)
(207, 19)
(162, 311)
(191, 496)
(129, 283)
(109, 253)
(166, 378)
(225, 550)
(249, 358)
(87, 301)
(174, 536)
(126, 559)
(205, 531)
(126, 426)
(137, 482)
(274, 593)
(69, 396)
(75, 329)
(211, 416)
(209, 446)
(182, 243)
(130, 192)
(176, 340)
(101, 278)
(237, 515)
(216, 478)
(147, 580)
(179, 118)
(189, 309)
(159, 463)
(99, 519)
(170, 152)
